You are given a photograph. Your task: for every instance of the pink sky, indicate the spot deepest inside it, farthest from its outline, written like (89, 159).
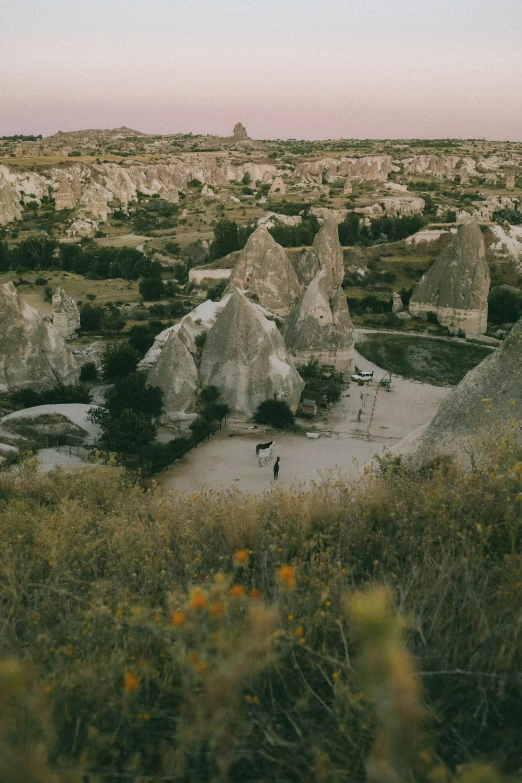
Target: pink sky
(317, 77)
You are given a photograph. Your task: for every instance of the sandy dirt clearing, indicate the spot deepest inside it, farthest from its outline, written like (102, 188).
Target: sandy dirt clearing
(344, 447)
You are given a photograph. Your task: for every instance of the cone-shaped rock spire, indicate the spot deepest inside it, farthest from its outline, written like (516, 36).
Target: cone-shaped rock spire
(245, 357)
(456, 287)
(264, 270)
(175, 373)
(320, 326)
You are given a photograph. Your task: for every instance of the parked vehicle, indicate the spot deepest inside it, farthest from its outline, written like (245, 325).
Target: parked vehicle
(362, 377)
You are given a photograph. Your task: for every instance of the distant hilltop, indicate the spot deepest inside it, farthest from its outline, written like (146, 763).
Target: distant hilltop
(105, 133)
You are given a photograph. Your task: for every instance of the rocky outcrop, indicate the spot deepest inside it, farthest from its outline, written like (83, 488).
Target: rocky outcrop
(278, 188)
(368, 168)
(397, 305)
(326, 253)
(394, 206)
(456, 287)
(66, 316)
(264, 270)
(448, 166)
(175, 373)
(484, 210)
(487, 400)
(240, 132)
(320, 327)
(245, 357)
(325, 213)
(83, 227)
(67, 192)
(93, 186)
(195, 323)
(10, 208)
(33, 354)
(508, 244)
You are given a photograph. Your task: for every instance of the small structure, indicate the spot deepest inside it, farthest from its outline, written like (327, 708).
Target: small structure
(385, 382)
(308, 408)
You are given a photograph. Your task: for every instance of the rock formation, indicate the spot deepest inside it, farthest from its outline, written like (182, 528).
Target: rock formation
(327, 254)
(66, 316)
(397, 305)
(10, 208)
(83, 226)
(368, 168)
(456, 287)
(245, 357)
(394, 206)
(508, 244)
(175, 373)
(347, 188)
(264, 270)
(32, 352)
(319, 326)
(91, 187)
(240, 132)
(489, 398)
(278, 188)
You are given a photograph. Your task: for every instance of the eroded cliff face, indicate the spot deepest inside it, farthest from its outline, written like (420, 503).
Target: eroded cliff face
(92, 187)
(175, 373)
(487, 403)
(456, 287)
(33, 353)
(373, 168)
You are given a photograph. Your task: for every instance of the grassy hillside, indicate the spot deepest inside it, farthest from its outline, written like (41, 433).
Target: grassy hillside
(442, 362)
(229, 638)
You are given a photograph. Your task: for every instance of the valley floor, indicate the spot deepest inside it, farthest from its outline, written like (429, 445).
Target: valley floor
(228, 460)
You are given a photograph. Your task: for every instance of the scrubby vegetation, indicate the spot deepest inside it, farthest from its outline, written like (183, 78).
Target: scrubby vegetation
(441, 362)
(276, 413)
(380, 230)
(100, 263)
(234, 638)
(29, 398)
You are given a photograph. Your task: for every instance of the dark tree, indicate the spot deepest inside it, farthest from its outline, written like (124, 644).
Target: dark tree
(118, 361)
(91, 318)
(152, 289)
(276, 413)
(225, 240)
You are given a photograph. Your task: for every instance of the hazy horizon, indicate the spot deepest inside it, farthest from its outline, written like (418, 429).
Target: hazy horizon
(388, 70)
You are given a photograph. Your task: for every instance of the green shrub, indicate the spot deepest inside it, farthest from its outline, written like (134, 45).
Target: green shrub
(276, 413)
(118, 361)
(29, 398)
(152, 289)
(88, 372)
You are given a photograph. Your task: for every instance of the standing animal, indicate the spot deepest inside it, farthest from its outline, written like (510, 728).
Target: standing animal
(276, 469)
(263, 446)
(265, 454)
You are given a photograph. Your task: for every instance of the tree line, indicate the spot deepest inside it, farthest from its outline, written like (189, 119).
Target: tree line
(97, 263)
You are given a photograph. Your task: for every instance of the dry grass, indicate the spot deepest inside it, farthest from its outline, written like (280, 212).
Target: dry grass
(76, 286)
(223, 637)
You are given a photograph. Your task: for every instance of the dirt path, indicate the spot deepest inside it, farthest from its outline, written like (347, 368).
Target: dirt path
(344, 447)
